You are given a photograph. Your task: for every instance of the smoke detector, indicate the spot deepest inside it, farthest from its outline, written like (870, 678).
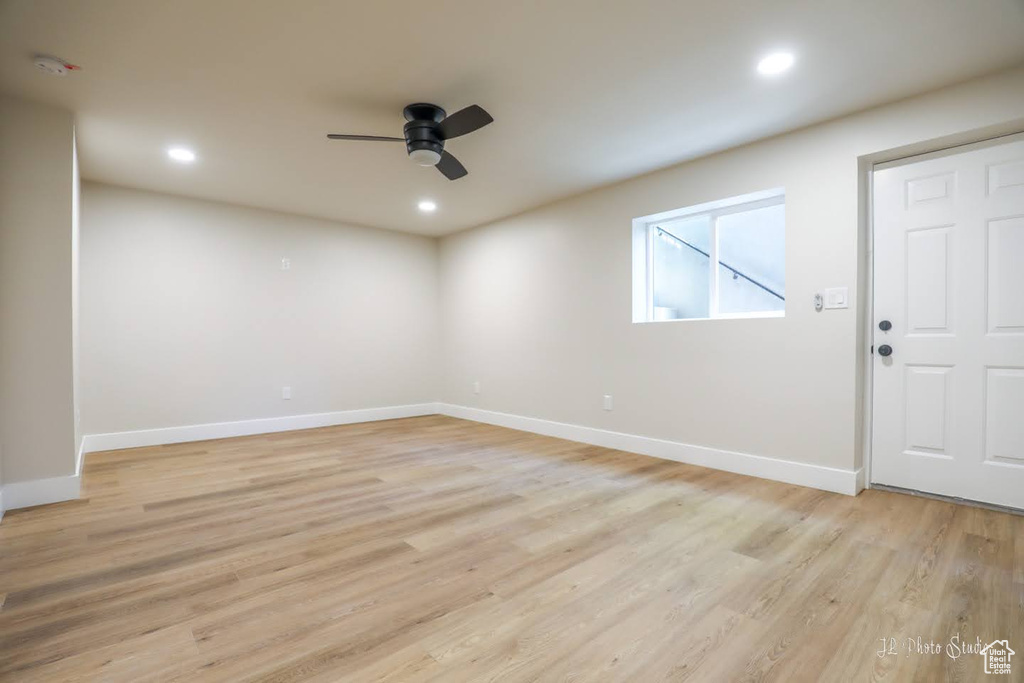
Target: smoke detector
(53, 66)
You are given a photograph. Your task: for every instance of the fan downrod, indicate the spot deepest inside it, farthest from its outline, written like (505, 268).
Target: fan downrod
(421, 111)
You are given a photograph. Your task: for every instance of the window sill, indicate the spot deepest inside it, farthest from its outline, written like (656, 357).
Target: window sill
(730, 316)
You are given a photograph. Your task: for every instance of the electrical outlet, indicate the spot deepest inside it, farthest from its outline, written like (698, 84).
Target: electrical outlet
(476, 387)
(607, 401)
(286, 264)
(286, 393)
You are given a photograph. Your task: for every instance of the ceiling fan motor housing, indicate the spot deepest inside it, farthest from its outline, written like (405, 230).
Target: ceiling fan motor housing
(422, 141)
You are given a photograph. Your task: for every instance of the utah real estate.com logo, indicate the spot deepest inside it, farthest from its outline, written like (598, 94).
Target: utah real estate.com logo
(997, 657)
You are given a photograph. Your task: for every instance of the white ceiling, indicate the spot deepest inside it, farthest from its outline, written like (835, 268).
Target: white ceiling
(583, 92)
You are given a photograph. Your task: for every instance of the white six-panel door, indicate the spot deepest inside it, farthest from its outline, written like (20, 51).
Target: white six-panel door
(948, 403)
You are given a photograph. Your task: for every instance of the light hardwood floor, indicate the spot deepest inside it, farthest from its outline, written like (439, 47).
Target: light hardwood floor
(434, 549)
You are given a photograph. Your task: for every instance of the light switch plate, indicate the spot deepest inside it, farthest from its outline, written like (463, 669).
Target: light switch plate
(837, 297)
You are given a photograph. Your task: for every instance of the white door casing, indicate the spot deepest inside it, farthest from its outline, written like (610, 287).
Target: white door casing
(948, 403)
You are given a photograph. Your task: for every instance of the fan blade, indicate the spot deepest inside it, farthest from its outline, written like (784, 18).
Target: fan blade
(371, 138)
(463, 121)
(451, 167)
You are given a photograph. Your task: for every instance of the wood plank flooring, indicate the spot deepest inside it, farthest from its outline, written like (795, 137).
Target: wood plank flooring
(434, 549)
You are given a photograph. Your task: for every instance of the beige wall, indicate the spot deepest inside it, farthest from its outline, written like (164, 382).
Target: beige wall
(537, 307)
(188, 318)
(76, 365)
(37, 437)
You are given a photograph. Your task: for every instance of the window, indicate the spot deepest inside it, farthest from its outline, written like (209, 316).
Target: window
(723, 259)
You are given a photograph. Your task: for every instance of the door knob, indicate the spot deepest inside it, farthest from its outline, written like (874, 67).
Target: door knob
(884, 350)
(885, 326)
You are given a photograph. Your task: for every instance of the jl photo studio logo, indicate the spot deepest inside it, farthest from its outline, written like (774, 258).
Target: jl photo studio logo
(996, 657)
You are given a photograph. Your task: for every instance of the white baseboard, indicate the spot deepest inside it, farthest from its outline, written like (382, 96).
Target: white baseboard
(222, 430)
(23, 494)
(41, 491)
(58, 489)
(849, 482)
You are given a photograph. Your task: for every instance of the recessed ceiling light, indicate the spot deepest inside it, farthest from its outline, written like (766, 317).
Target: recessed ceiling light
(181, 155)
(427, 206)
(775, 63)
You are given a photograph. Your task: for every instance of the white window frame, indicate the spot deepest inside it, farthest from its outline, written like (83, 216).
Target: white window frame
(644, 229)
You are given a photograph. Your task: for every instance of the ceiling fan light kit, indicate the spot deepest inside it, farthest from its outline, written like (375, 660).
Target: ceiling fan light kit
(427, 129)
(425, 157)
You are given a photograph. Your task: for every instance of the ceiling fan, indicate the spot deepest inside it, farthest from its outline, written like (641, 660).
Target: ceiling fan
(427, 130)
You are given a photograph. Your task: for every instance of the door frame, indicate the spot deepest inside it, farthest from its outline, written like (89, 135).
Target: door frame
(867, 165)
